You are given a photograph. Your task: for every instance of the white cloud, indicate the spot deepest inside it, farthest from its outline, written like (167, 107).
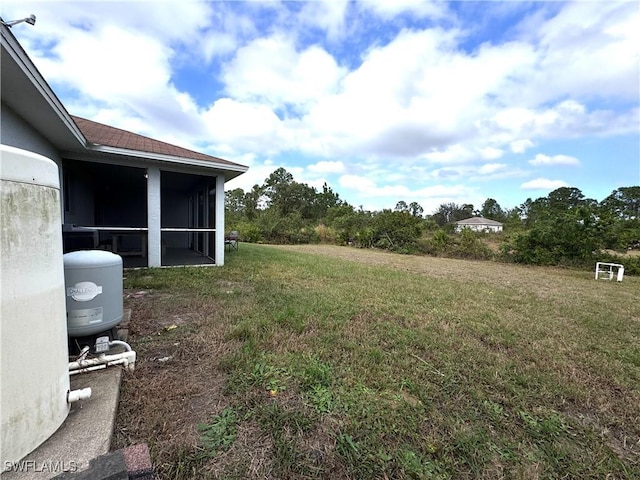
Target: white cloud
(241, 127)
(521, 145)
(217, 44)
(595, 46)
(545, 160)
(395, 115)
(543, 184)
(453, 154)
(458, 154)
(377, 195)
(471, 173)
(442, 191)
(225, 33)
(127, 84)
(271, 71)
(360, 184)
(83, 62)
(326, 167)
(160, 20)
(256, 175)
(430, 198)
(420, 8)
(566, 119)
(491, 153)
(491, 168)
(328, 15)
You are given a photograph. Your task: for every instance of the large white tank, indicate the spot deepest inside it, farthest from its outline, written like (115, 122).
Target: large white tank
(93, 280)
(33, 332)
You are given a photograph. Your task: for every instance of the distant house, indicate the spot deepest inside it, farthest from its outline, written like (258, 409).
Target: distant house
(154, 203)
(479, 224)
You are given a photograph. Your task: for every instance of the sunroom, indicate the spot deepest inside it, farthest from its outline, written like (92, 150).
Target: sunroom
(153, 208)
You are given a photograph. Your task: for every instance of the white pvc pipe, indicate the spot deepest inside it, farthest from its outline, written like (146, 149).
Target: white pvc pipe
(126, 359)
(87, 369)
(113, 343)
(83, 353)
(75, 395)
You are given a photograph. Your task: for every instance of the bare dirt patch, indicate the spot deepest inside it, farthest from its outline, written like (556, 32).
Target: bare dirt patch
(628, 253)
(177, 383)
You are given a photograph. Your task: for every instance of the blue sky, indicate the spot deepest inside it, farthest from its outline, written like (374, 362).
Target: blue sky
(409, 100)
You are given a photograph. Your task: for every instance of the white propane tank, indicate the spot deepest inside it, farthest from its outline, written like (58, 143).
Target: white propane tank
(93, 280)
(33, 331)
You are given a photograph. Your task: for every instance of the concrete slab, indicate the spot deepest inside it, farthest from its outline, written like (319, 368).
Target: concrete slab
(84, 435)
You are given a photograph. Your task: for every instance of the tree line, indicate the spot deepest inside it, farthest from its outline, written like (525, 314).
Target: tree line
(563, 228)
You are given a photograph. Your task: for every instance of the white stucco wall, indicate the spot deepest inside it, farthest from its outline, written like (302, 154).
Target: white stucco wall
(480, 228)
(153, 217)
(219, 254)
(18, 133)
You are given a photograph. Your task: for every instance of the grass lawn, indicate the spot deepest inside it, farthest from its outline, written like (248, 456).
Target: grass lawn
(334, 362)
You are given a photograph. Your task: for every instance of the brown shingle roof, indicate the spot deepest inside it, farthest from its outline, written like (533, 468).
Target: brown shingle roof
(100, 134)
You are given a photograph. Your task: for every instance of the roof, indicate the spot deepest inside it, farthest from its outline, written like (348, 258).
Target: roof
(100, 134)
(478, 221)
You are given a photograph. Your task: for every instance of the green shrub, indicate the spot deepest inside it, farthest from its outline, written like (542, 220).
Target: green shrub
(440, 241)
(471, 246)
(249, 232)
(396, 231)
(365, 237)
(326, 234)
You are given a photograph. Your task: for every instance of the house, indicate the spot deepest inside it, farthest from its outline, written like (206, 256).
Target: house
(479, 224)
(154, 203)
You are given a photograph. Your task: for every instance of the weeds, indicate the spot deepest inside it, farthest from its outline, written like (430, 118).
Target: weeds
(220, 432)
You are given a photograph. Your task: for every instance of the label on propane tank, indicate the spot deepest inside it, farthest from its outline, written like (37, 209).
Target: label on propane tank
(87, 316)
(84, 291)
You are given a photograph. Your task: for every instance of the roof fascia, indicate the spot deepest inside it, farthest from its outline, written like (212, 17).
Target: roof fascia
(165, 162)
(167, 158)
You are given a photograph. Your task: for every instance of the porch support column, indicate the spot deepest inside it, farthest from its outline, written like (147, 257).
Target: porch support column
(220, 219)
(154, 250)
